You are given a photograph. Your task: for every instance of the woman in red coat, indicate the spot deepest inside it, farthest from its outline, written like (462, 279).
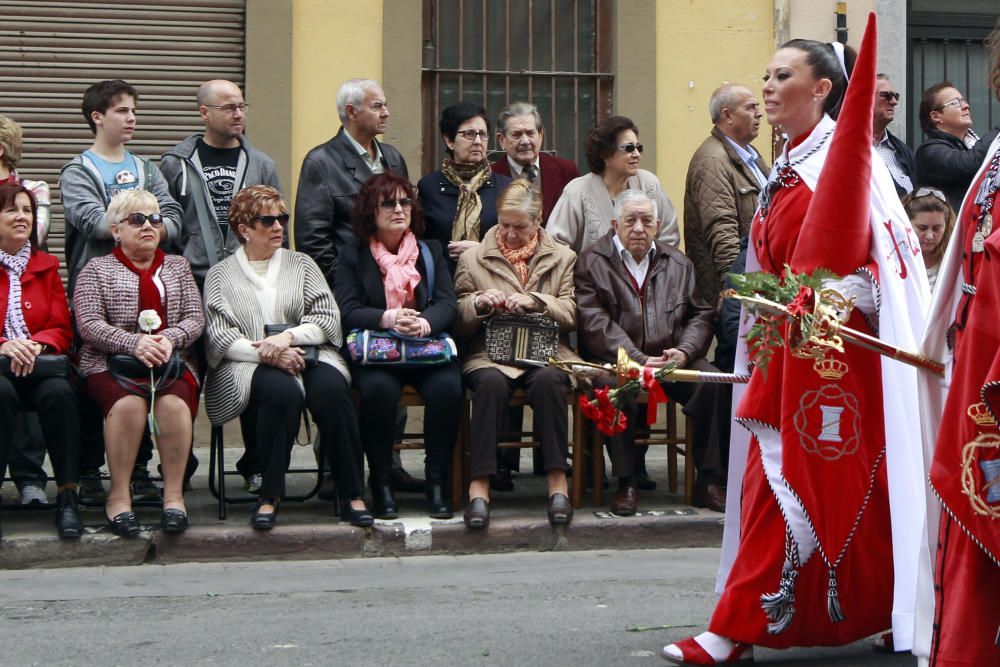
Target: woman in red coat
(36, 322)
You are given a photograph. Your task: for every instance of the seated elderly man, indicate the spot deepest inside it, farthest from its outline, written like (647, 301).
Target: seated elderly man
(640, 295)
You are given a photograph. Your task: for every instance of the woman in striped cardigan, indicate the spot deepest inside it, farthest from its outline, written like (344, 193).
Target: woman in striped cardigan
(265, 380)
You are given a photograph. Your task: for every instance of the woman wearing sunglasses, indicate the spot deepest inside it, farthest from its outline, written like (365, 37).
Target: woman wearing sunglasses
(272, 335)
(111, 292)
(952, 153)
(459, 199)
(389, 280)
(584, 211)
(932, 220)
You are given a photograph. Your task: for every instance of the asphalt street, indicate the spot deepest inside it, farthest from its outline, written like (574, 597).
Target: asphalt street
(555, 608)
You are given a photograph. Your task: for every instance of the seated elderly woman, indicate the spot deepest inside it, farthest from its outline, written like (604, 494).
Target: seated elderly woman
(139, 312)
(272, 337)
(517, 269)
(391, 281)
(36, 322)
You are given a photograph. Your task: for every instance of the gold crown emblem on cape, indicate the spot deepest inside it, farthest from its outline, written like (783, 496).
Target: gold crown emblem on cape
(979, 415)
(830, 369)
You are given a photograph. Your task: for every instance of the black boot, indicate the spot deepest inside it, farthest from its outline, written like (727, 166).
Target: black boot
(383, 501)
(437, 505)
(68, 522)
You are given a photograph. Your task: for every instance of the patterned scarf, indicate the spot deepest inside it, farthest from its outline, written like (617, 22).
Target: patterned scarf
(151, 290)
(468, 178)
(519, 257)
(399, 271)
(14, 325)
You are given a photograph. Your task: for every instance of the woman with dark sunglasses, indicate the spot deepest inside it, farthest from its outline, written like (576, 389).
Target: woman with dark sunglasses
(272, 335)
(144, 304)
(584, 211)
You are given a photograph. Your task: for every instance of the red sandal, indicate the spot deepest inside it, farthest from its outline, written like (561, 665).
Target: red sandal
(692, 653)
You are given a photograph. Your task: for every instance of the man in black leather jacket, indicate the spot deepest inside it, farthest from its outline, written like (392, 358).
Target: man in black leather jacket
(333, 173)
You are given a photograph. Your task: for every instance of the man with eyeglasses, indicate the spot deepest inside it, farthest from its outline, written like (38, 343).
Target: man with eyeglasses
(896, 154)
(207, 169)
(952, 153)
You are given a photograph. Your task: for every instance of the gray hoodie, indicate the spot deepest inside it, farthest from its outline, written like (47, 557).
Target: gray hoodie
(201, 241)
(85, 207)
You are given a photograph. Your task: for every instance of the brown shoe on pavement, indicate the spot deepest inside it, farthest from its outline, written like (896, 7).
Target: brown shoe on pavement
(625, 502)
(710, 495)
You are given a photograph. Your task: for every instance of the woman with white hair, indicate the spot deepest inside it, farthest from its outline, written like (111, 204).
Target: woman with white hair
(139, 313)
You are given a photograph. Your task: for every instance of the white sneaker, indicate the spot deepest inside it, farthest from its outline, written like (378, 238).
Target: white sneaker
(33, 494)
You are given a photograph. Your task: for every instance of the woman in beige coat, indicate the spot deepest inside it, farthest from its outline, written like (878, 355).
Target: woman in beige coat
(517, 268)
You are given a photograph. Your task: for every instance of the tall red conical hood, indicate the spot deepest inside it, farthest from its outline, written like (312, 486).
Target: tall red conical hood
(836, 233)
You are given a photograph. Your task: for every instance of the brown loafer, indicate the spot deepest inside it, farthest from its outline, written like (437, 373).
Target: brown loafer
(711, 496)
(625, 502)
(560, 511)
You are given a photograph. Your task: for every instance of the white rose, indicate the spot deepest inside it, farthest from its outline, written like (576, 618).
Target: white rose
(149, 320)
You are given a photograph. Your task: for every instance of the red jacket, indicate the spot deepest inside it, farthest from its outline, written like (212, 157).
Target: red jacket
(556, 173)
(43, 302)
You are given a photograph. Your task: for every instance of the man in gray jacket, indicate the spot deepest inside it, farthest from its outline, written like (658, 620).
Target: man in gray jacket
(204, 171)
(91, 179)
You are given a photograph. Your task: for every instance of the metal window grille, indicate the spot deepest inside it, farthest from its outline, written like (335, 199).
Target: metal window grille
(553, 53)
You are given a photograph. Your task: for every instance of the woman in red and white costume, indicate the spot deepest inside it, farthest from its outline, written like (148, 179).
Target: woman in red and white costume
(806, 558)
(960, 619)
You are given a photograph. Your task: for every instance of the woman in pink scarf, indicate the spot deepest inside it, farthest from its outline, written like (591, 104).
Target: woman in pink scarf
(383, 283)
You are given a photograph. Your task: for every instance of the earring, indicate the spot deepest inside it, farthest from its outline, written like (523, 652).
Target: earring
(246, 238)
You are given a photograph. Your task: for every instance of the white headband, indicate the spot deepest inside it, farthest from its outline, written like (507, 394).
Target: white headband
(838, 48)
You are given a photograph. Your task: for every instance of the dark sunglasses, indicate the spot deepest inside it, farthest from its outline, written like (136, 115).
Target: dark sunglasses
(631, 148)
(390, 204)
(269, 220)
(889, 95)
(139, 219)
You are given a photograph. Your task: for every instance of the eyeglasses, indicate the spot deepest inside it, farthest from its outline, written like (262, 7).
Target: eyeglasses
(472, 135)
(958, 103)
(930, 192)
(889, 95)
(390, 204)
(137, 220)
(630, 148)
(269, 220)
(229, 108)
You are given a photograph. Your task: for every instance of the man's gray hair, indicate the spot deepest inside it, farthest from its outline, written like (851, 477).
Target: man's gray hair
(518, 109)
(352, 92)
(724, 97)
(882, 76)
(629, 196)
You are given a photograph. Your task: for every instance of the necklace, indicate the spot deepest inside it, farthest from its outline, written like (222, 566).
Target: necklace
(984, 218)
(785, 176)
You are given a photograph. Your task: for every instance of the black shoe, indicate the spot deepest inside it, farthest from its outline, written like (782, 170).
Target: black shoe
(68, 523)
(437, 506)
(174, 521)
(125, 524)
(264, 521)
(643, 482)
(502, 480)
(560, 511)
(91, 488)
(477, 514)
(142, 485)
(404, 482)
(360, 518)
(383, 501)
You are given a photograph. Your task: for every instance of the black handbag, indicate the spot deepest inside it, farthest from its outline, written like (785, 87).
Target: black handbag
(46, 366)
(310, 352)
(127, 367)
(514, 339)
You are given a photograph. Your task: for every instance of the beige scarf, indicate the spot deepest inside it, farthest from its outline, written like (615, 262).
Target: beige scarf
(468, 178)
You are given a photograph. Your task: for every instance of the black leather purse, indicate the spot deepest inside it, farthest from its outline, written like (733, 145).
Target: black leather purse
(129, 368)
(46, 366)
(310, 352)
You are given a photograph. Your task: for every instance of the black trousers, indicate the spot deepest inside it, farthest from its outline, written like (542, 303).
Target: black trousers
(707, 405)
(380, 390)
(545, 390)
(272, 418)
(55, 402)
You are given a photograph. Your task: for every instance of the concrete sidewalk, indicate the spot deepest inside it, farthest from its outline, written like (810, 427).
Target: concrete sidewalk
(309, 530)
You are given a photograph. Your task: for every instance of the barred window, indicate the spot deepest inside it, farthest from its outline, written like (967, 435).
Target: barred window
(553, 53)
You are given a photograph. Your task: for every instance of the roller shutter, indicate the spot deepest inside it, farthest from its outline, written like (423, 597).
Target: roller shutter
(50, 52)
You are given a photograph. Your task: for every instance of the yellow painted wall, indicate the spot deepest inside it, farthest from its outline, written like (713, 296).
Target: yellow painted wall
(702, 44)
(333, 40)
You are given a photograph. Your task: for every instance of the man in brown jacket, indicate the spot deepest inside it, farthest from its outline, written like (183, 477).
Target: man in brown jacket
(635, 294)
(724, 179)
